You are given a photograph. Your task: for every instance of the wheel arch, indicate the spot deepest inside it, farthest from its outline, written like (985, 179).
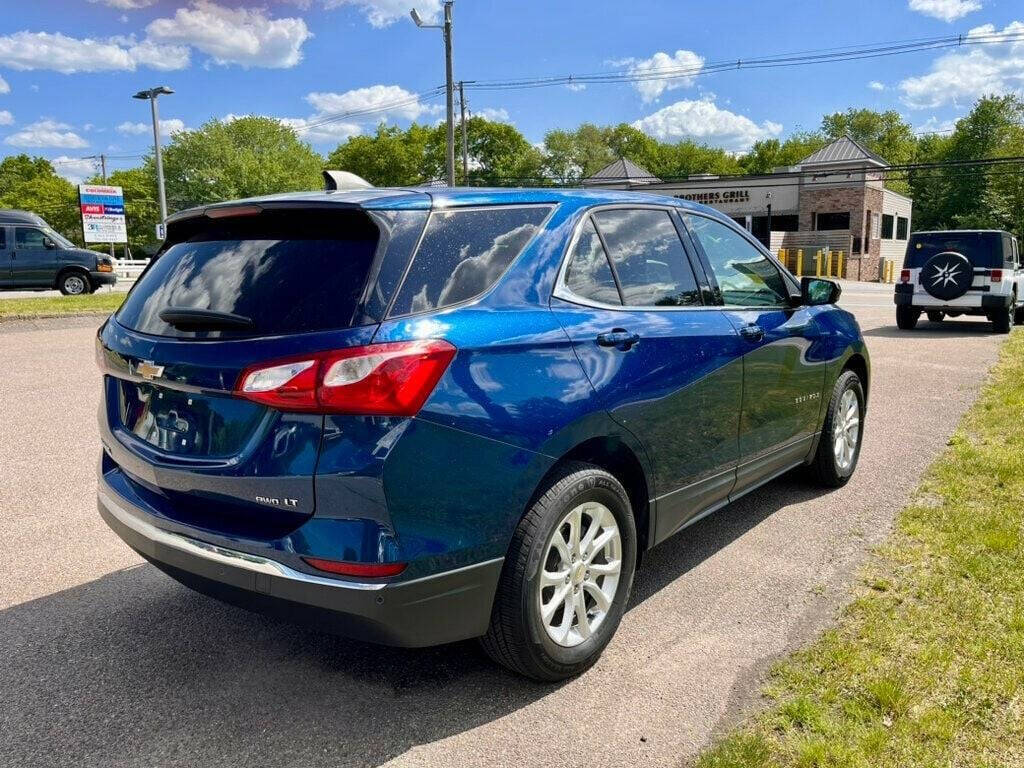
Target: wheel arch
(613, 454)
(71, 268)
(859, 365)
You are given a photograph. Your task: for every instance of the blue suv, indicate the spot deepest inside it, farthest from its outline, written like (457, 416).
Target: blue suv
(418, 416)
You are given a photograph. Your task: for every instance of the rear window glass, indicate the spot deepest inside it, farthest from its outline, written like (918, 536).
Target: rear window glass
(288, 272)
(982, 249)
(463, 253)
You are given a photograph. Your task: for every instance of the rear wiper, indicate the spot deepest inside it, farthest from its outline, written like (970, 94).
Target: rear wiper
(185, 318)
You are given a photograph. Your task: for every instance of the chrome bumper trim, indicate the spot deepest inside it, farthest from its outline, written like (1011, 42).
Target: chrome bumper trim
(222, 555)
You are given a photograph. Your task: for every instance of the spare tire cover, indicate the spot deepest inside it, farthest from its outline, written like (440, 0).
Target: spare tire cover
(947, 275)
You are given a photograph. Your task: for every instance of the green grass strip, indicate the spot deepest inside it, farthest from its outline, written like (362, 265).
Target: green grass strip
(59, 306)
(926, 666)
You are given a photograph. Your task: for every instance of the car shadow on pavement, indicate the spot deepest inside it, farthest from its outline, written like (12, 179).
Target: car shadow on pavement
(134, 669)
(947, 328)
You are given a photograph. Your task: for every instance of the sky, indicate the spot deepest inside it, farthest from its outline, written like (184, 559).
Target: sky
(68, 68)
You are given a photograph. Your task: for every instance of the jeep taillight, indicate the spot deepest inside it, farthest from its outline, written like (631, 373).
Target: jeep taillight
(390, 379)
(996, 276)
(905, 276)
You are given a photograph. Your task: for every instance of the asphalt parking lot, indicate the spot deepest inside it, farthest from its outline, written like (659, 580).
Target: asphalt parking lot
(106, 662)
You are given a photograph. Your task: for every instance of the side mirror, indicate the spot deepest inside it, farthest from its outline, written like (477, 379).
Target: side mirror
(48, 243)
(815, 291)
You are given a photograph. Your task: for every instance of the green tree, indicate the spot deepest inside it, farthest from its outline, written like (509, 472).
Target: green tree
(31, 184)
(886, 134)
(573, 155)
(225, 160)
(768, 154)
(498, 154)
(390, 158)
(141, 210)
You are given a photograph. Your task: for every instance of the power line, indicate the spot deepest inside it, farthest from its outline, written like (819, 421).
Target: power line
(802, 58)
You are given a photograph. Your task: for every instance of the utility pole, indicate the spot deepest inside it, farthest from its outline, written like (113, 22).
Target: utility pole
(450, 159)
(449, 83)
(465, 143)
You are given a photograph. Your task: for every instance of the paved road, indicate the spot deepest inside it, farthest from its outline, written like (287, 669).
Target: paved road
(107, 662)
(121, 286)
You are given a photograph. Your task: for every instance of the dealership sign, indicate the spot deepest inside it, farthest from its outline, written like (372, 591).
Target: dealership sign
(102, 213)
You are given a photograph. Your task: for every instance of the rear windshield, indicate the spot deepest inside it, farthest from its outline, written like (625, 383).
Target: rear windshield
(982, 249)
(287, 271)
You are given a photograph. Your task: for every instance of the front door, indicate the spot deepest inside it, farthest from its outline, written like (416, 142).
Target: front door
(5, 258)
(661, 362)
(33, 263)
(783, 362)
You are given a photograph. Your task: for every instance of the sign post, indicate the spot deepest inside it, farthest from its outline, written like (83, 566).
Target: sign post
(102, 214)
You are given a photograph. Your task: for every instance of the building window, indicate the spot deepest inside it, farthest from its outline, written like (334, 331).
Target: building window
(786, 223)
(876, 226)
(887, 226)
(902, 225)
(827, 221)
(856, 245)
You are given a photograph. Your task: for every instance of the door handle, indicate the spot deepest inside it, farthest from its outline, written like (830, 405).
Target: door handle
(618, 337)
(752, 332)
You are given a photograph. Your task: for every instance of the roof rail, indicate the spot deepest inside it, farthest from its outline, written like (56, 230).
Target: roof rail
(343, 180)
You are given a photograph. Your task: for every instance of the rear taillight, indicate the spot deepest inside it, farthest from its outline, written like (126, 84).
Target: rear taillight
(996, 276)
(905, 276)
(364, 570)
(391, 379)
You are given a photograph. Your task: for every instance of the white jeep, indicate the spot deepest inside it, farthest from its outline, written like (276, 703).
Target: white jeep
(961, 272)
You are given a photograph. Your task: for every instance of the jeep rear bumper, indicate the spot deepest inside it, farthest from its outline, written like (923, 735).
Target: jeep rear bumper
(970, 303)
(446, 607)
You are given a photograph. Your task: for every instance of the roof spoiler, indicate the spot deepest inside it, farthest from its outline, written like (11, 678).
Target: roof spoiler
(343, 180)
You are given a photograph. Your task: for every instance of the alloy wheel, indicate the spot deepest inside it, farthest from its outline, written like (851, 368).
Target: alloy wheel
(579, 574)
(846, 432)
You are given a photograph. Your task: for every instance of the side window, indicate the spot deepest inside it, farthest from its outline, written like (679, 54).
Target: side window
(648, 258)
(746, 277)
(463, 253)
(29, 237)
(3, 237)
(588, 274)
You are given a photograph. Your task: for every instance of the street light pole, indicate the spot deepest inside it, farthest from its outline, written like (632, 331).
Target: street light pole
(449, 83)
(152, 95)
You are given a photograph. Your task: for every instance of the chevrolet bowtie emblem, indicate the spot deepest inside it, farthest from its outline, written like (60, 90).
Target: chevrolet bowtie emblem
(148, 370)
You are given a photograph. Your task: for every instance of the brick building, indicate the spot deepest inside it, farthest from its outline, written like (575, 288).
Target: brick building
(834, 199)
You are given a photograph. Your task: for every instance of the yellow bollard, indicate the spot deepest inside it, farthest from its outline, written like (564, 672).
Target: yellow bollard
(782, 256)
(817, 264)
(799, 262)
(839, 268)
(828, 264)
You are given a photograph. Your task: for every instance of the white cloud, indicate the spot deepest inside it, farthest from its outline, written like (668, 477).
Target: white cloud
(160, 57)
(126, 5)
(964, 75)
(47, 133)
(687, 63)
(934, 125)
(703, 120)
(6, 118)
(946, 10)
(4, 87)
(874, 85)
(74, 169)
(382, 13)
(495, 115)
(168, 127)
(374, 102)
(56, 51)
(243, 36)
(576, 87)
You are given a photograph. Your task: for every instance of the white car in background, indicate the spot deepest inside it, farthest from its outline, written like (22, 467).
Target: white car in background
(961, 272)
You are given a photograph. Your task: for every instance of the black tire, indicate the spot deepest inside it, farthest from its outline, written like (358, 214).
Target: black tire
(1002, 319)
(907, 317)
(516, 637)
(74, 283)
(825, 469)
(935, 315)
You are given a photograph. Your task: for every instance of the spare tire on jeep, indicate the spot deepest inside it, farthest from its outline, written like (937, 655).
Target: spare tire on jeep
(947, 275)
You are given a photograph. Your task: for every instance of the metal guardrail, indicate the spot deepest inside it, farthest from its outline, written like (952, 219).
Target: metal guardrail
(129, 269)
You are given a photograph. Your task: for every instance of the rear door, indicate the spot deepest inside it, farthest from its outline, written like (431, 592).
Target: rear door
(5, 257)
(33, 263)
(172, 421)
(663, 363)
(783, 365)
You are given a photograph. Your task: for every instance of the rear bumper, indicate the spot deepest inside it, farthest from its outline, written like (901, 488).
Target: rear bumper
(446, 607)
(906, 296)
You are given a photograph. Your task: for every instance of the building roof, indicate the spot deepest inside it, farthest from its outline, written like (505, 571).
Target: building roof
(843, 150)
(622, 170)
